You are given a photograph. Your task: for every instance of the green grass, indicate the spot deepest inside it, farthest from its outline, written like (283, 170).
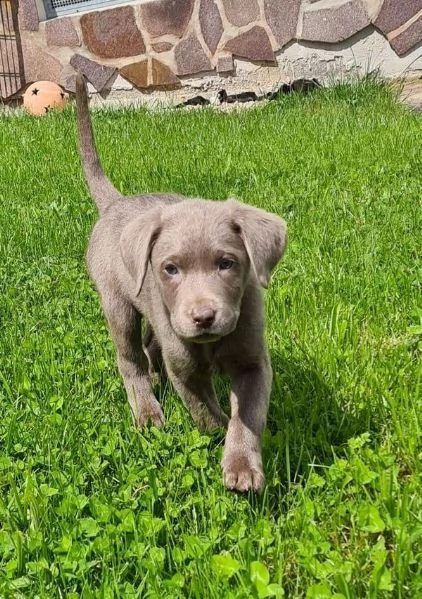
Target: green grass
(91, 507)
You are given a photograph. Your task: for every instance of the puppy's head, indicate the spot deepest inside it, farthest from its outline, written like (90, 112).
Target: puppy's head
(202, 255)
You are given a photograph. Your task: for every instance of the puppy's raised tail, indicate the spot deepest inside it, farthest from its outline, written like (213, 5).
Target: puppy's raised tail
(102, 190)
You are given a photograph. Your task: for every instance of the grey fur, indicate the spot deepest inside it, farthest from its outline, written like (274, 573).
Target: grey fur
(194, 269)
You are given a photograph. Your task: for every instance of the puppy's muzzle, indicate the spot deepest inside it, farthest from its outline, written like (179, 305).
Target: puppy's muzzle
(204, 321)
(203, 316)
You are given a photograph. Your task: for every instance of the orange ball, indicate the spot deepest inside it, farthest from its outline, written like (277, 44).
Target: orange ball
(41, 96)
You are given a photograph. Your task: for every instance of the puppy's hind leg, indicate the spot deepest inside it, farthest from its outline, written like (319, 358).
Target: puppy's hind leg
(198, 395)
(125, 325)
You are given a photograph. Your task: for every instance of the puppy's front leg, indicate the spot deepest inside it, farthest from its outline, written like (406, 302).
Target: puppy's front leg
(125, 327)
(242, 460)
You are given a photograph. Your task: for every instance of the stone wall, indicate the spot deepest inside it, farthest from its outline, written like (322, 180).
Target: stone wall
(167, 44)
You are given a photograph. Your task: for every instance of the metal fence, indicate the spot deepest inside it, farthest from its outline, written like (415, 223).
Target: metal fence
(11, 60)
(55, 8)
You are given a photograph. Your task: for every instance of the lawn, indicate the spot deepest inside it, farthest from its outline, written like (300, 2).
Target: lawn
(91, 507)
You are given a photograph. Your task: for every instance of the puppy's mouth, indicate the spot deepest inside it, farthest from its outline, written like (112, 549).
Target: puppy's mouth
(208, 335)
(204, 338)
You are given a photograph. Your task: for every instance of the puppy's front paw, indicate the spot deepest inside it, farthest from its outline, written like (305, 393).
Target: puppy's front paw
(150, 412)
(243, 472)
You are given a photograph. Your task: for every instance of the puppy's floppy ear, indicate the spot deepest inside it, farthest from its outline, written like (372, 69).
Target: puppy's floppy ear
(136, 243)
(264, 236)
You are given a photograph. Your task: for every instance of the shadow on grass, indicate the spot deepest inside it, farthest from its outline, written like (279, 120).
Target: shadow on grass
(308, 422)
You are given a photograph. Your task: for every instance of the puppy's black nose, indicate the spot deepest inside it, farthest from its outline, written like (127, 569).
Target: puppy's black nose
(203, 317)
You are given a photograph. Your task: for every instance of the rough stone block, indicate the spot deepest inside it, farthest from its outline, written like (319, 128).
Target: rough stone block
(39, 65)
(97, 74)
(395, 13)
(407, 39)
(162, 76)
(282, 19)
(112, 33)
(211, 23)
(28, 15)
(225, 64)
(253, 44)
(67, 78)
(162, 17)
(61, 32)
(325, 23)
(162, 46)
(190, 57)
(241, 12)
(136, 73)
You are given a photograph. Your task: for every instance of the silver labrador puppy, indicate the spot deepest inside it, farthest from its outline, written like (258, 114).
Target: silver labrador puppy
(194, 269)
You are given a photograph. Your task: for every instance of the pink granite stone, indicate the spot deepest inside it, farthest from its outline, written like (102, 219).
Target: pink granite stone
(162, 17)
(190, 57)
(61, 32)
(241, 12)
(38, 64)
(333, 24)
(395, 13)
(162, 46)
(68, 78)
(407, 39)
(28, 15)
(282, 19)
(211, 24)
(97, 74)
(112, 33)
(253, 44)
(225, 64)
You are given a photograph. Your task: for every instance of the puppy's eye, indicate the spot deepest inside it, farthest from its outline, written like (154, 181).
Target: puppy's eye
(171, 269)
(225, 264)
